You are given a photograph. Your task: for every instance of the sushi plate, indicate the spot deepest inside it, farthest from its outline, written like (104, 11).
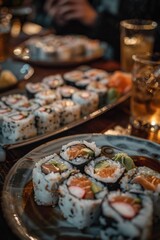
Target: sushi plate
(30, 221)
(21, 52)
(9, 144)
(21, 70)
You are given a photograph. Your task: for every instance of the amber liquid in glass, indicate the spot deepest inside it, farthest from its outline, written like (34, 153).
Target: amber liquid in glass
(134, 45)
(145, 102)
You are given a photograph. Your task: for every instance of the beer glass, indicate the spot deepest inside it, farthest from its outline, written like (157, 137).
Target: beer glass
(136, 37)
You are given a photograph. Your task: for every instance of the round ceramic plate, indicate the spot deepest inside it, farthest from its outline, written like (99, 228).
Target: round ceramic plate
(30, 221)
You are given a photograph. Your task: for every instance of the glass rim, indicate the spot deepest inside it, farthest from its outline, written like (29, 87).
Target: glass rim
(138, 24)
(148, 58)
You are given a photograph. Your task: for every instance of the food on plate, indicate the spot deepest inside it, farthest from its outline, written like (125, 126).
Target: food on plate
(80, 200)
(49, 96)
(33, 88)
(4, 111)
(66, 91)
(73, 76)
(53, 81)
(144, 179)
(7, 79)
(47, 175)
(121, 81)
(105, 170)
(18, 126)
(30, 106)
(88, 100)
(100, 89)
(47, 119)
(95, 74)
(108, 193)
(79, 152)
(14, 100)
(68, 110)
(126, 216)
(73, 95)
(62, 48)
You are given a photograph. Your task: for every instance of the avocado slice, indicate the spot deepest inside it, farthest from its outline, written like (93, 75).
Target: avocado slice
(95, 188)
(100, 165)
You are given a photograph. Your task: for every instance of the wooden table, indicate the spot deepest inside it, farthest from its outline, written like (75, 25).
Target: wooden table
(117, 116)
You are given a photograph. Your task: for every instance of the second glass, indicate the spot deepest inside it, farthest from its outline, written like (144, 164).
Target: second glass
(136, 36)
(145, 97)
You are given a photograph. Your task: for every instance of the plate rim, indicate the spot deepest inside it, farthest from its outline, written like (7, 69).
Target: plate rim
(21, 231)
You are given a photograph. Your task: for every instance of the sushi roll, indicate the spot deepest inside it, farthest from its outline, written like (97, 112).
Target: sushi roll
(105, 170)
(66, 91)
(93, 46)
(47, 174)
(47, 120)
(95, 74)
(82, 83)
(14, 100)
(79, 152)
(64, 52)
(126, 216)
(4, 111)
(29, 106)
(88, 100)
(49, 96)
(33, 88)
(73, 76)
(143, 179)
(19, 126)
(68, 110)
(2, 104)
(100, 89)
(53, 81)
(80, 200)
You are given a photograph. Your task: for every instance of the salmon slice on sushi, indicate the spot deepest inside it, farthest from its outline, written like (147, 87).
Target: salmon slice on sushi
(80, 200)
(105, 170)
(79, 153)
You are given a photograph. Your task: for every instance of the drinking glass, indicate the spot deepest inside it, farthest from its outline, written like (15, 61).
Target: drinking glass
(145, 96)
(136, 37)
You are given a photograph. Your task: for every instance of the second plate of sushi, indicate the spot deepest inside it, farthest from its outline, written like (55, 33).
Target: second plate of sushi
(55, 50)
(86, 187)
(58, 103)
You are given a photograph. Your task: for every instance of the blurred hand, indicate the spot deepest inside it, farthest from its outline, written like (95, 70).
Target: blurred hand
(66, 10)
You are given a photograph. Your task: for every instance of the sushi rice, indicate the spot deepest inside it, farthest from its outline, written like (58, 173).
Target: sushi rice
(47, 174)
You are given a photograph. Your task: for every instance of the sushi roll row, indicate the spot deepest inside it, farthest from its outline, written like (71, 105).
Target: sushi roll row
(55, 101)
(62, 48)
(29, 118)
(90, 188)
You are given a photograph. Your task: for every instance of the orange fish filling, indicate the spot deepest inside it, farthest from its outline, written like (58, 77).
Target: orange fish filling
(106, 171)
(85, 184)
(76, 151)
(148, 182)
